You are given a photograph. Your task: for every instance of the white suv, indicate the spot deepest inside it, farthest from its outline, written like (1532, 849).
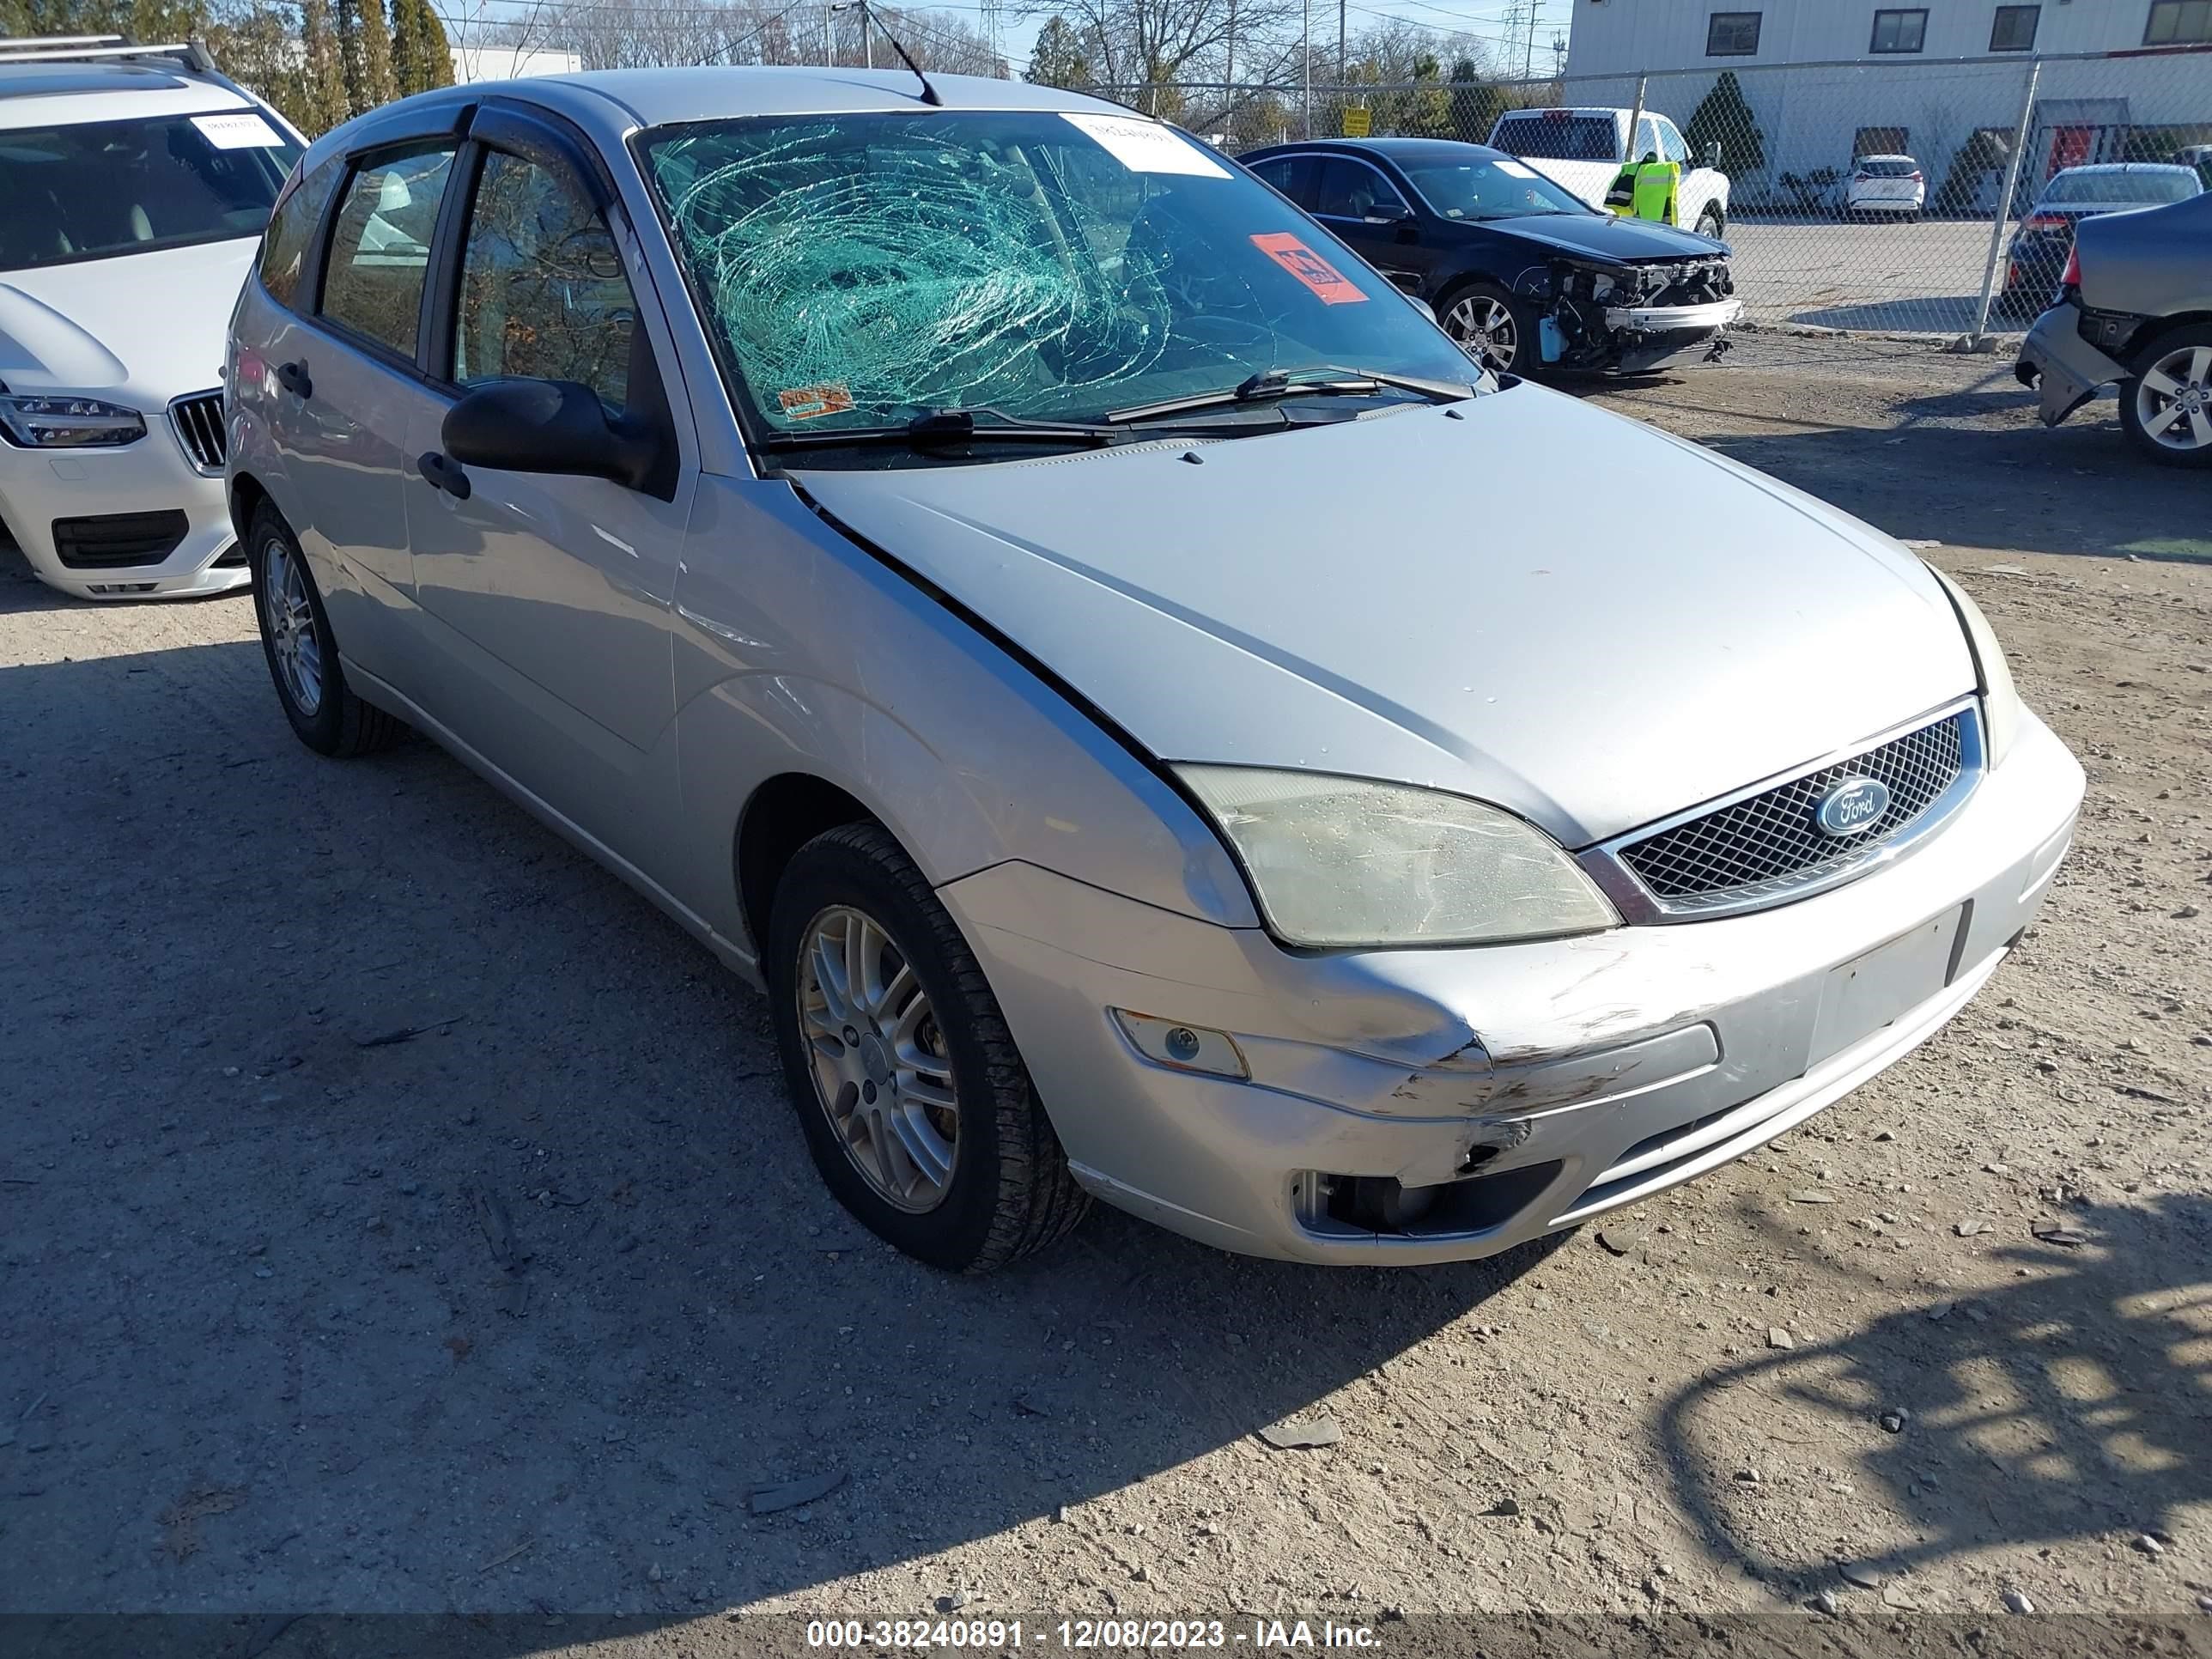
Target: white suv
(134, 185)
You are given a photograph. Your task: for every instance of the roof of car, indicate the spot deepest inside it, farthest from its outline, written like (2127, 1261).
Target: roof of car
(62, 93)
(2122, 166)
(657, 97)
(1404, 151)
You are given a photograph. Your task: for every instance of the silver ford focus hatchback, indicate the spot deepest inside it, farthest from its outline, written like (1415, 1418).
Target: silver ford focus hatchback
(1158, 721)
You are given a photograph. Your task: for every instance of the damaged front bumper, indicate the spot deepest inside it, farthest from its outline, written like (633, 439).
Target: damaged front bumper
(1629, 320)
(1388, 1107)
(2064, 369)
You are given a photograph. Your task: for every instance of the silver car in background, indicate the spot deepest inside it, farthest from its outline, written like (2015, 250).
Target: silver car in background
(1156, 719)
(2135, 310)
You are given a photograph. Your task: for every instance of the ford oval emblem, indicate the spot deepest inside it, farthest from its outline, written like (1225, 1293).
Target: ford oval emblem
(1852, 807)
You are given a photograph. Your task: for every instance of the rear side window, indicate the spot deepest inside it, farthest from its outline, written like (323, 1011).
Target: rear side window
(1282, 174)
(543, 292)
(292, 230)
(380, 248)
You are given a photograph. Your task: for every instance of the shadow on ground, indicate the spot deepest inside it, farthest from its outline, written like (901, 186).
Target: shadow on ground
(2070, 1405)
(403, 1216)
(1949, 314)
(1920, 473)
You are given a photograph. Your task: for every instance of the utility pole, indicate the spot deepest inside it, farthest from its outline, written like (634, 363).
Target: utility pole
(1339, 50)
(1305, 71)
(867, 38)
(1229, 72)
(1528, 52)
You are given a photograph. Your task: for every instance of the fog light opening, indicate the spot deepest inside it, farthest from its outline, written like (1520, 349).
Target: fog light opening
(1181, 1046)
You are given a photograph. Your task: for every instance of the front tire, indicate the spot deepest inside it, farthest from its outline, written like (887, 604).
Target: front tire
(2165, 406)
(1491, 327)
(1710, 223)
(915, 1104)
(301, 651)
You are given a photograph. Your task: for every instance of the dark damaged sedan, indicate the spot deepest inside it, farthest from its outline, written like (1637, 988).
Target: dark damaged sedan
(1524, 275)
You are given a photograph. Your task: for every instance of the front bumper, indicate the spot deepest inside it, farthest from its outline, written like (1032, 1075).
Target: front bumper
(1519, 1088)
(152, 476)
(1644, 337)
(2064, 368)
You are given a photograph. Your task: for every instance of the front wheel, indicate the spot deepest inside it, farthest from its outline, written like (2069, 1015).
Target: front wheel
(1710, 224)
(915, 1104)
(1492, 328)
(2167, 406)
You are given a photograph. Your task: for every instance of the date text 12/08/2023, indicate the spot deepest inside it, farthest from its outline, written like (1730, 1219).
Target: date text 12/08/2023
(1003, 1635)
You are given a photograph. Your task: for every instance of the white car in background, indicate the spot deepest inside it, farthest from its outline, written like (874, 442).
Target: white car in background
(1585, 150)
(1886, 184)
(134, 185)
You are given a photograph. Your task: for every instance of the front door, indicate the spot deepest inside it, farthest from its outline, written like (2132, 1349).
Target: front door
(547, 599)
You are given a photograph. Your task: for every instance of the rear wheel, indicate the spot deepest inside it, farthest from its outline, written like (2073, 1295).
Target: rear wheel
(1490, 328)
(917, 1107)
(302, 653)
(2167, 406)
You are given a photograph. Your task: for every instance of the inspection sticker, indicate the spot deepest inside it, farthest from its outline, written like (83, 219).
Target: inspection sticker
(1145, 146)
(803, 402)
(1310, 267)
(1515, 168)
(244, 131)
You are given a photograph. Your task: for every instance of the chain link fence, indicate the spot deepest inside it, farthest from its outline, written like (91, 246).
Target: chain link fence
(1914, 197)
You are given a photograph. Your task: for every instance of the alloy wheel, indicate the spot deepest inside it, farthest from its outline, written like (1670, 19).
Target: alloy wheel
(2173, 399)
(1485, 331)
(293, 642)
(881, 1073)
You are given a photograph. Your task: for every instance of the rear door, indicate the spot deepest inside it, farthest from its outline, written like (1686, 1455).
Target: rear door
(1355, 199)
(548, 598)
(351, 391)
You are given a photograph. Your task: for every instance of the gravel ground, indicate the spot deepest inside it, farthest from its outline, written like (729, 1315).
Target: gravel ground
(402, 1216)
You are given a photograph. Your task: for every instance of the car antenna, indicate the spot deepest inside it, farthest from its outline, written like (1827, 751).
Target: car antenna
(929, 92)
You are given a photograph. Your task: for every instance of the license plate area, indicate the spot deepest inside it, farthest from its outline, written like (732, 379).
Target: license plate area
(1862, 995)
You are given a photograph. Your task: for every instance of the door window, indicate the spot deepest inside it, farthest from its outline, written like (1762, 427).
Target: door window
(543, 294)
(1352, 190)
(380, 248)
(1671, 147)
(1287, 173)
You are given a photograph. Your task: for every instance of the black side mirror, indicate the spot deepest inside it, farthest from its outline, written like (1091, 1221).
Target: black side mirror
(1387, 213)
(1713, 156)
(548, 425)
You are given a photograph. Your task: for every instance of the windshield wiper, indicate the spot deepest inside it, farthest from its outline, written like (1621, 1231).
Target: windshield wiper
(1323, 378)
(951, 426)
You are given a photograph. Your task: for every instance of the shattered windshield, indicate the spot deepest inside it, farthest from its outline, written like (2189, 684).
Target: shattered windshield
(862, 269)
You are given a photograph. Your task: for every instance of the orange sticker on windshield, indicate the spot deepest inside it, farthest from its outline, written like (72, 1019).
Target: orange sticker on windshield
(803, 402)
(1317, 273)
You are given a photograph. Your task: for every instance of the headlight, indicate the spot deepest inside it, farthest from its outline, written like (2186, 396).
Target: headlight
(1343, 861)
(61, 421)
(2000, 701)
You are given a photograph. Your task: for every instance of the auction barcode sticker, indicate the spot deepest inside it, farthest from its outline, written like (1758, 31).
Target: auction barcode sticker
(245, 132)
(1145, 146)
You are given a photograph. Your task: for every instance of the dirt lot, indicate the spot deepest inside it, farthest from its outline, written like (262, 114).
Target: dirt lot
(258, 1352)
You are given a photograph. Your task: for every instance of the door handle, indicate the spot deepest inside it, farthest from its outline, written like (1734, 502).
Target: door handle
(445, 474)
(293, 377)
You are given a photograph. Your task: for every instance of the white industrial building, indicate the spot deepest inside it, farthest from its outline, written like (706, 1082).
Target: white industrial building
(1827, 81)
(511, 62)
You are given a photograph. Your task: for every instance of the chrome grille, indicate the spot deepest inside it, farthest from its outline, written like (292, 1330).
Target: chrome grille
(1769, 845)
(198, 422)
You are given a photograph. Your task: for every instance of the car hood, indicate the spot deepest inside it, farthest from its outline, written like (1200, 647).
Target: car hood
(149, 324)
(1623, 241)
(1541, 604)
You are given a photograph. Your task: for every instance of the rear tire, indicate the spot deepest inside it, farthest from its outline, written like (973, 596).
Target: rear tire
(301, 651)
(915, 1104)
(2165, 405)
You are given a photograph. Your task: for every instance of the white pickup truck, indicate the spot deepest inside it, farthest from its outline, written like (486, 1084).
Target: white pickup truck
(1585, 151)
